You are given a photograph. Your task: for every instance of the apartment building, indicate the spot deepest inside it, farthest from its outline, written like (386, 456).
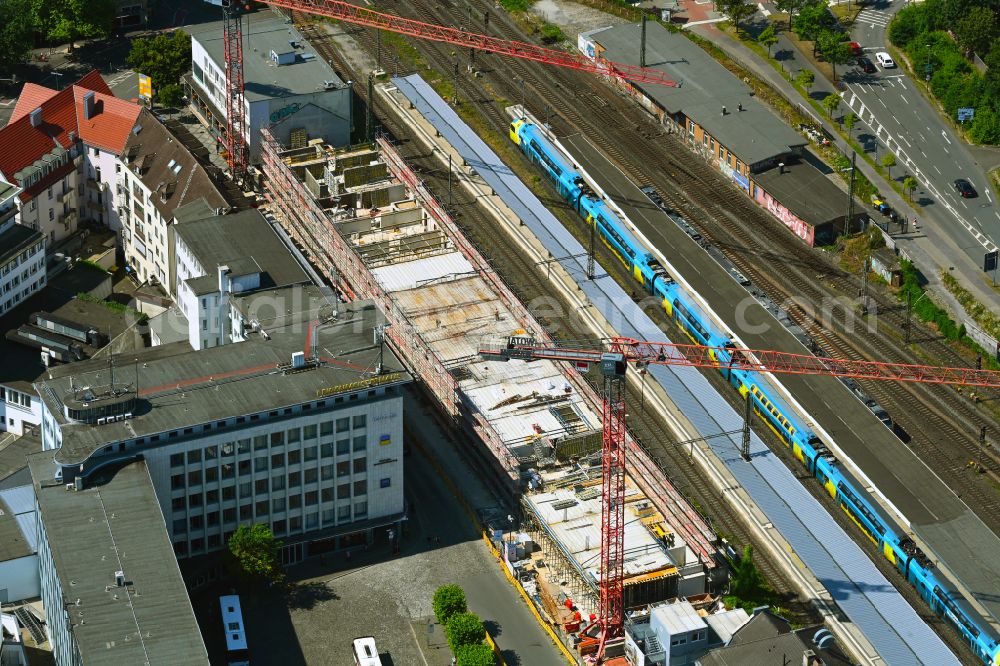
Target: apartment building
(251, 432)
(22, 253)
(60, 149)
(154, 175)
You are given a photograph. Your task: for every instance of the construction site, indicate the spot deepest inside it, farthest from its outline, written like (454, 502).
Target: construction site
(367, 223)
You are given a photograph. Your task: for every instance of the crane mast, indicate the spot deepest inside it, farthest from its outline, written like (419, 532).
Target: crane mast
(236, 113)
(613, 359)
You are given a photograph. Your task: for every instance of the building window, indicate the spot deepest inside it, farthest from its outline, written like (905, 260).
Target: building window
(344, 491)
(294, 457)
(309, 453)
(343, 425)
(360, 487)
(228, 471)
(277, 438)
(244, 467)
(309, 432)
(343, 468)
(177, 460)
(293, 436)
(360, 510)
(177, 504)
(211, 474)
(260, 464)
(229, 515)
(360, 421)
(294, 523)
(326, 472)
(278, 504)
(180, 548)
(195, 500)
(246, 512)
(180, 526)
(326, 428)
(279, 527)
(259, 442)
(211, 497)
(359, 443)
(295, 501)
(260, 486)
(246, 490)
(312, 521)
(227, 449)
(360, 465)
(344, 512)
(326, 450)
(194, 456)
(243, 446)
(214, 541)
(329, 515)
(312, 497)
(309, 475)
(197, 522)
(262, 508)
(278, 460)
(197, 545)
(343, 447)
(384, 483)
(326, 495)
(177, 481)
(211, 453)
(278, 482)
(294, 479)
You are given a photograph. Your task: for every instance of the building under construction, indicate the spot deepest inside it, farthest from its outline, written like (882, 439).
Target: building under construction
(370, 227)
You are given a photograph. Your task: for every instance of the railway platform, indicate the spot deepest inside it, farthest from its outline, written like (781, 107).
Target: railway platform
(951, 532)
(870, 616)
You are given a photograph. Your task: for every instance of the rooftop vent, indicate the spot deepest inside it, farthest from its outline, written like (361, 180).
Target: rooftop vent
(36, 117)
(299, 360)
(329, 85)
(120, 578)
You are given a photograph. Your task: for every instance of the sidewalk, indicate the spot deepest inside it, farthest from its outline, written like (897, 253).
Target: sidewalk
(927, 246)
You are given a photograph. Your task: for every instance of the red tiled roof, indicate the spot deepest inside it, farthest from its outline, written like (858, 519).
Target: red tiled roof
(32, 96)
(62, 113)
(110, 127)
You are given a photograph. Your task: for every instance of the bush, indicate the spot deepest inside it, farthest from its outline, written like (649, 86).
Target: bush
(449, 600)
(475, 655)
(464, 629)
(552, 34)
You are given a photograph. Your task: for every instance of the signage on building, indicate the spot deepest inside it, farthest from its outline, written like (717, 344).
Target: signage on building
(966, 113)
(360, 384)
(285, 111)
(145, 86)
(384, 440)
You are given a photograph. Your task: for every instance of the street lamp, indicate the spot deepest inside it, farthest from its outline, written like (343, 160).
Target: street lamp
(927, 67)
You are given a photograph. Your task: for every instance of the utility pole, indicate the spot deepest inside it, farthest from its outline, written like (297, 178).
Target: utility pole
(449, 181)
(865, 268)
(850, 195)
(909, 322)
(590, 251)
(642, 43)
(454, 80)
(747, 413)
(486, 21)
(378, 50)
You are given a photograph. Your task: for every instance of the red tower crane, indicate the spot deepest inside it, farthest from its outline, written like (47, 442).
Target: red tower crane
(613, 362)
(236, 112)
(237, 130)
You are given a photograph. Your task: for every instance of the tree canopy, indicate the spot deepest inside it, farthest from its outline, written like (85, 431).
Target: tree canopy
(736, 10)
(164, 58)
(475, 655)
(464, 629)
(256, 552)
(448, 600)
(833, 49)
(70, 20)
(767, 38)
(16, 30)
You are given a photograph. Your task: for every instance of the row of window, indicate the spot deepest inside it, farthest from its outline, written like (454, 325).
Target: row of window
(23, 257)
(281, 527)
(15, 397)
(19, 296)
(294, 479)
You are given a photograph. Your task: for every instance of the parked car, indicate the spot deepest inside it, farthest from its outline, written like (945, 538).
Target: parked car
(884, 60)
(880, 205)
(965, 189)
(856, 49)
(866, 65)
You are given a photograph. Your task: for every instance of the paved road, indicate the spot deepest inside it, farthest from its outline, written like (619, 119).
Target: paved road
(899, 118)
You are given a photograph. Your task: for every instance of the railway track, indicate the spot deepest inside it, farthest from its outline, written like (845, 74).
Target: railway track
(718, 217)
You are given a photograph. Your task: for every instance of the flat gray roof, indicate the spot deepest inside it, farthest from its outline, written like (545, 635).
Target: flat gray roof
(275, 309)
(234, 238)
(115, 524)
(14, 454)
(179, 387)
(704, 86)
(263, 31)
(13, 543)
(15, 240)
(807, 192)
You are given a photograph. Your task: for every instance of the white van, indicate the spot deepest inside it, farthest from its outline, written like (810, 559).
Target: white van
(884, 60)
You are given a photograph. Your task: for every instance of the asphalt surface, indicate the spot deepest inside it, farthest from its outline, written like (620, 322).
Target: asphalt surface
(336, 599)
(940, 518)
(906, 123)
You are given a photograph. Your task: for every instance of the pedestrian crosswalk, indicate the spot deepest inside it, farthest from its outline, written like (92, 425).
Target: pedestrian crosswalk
(873, 17)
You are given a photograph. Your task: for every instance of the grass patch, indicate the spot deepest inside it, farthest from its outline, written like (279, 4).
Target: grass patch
(516, 5)
(855, 249)
(114, 306)
(90, 265)
(988, 320)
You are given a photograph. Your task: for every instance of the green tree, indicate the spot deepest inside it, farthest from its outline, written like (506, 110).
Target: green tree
(256, 552)
(976, 30)
(811, 20)
(71, 20)
(767, 38)
(831, 103)
(910, 184)
(888, 161)
(805, 78)
(448, 600)
(164, 58)
(464, 629)
(745, 579)
(736, 10)
(15, 31)
(833, 49)
(475, 655)
(850, 120)
(789, 6)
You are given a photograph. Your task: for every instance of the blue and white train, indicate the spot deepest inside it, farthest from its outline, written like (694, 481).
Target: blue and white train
(891, 540)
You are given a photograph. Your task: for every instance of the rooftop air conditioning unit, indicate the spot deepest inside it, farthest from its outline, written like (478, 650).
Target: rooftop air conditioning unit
(102, 421)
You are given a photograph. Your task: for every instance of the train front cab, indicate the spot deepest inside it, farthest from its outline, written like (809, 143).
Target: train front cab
(515, 130)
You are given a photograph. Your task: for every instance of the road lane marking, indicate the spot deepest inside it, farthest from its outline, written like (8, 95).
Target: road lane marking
(904, 98)
(908, 144)
(887, 108)
(938, 170)
(945, 135)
